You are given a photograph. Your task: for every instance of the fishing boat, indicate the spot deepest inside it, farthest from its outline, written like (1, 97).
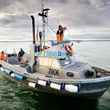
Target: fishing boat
(55, 69)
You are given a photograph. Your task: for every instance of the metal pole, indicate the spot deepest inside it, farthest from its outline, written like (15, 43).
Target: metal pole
(43, 27)
(33, 28)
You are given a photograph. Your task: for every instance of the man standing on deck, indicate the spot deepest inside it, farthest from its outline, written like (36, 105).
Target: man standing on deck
(60, 33)
(60, 37)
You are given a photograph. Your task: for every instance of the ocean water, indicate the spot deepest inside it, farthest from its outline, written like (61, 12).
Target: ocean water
(95, 53)
(14, 96)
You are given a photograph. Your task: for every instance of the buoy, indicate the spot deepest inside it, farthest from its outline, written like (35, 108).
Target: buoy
(42, 83)
(71, 88)
(55, 86)
(19, 77)
(32, 84)
(2, 69)
(12, 75)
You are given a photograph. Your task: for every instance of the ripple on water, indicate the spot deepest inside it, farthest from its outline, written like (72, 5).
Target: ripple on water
(15, 97)
(104, 101)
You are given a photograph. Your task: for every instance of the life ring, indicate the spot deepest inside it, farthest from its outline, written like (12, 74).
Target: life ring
(69, 49)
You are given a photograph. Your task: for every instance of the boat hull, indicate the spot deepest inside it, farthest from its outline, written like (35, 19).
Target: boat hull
(86, 88)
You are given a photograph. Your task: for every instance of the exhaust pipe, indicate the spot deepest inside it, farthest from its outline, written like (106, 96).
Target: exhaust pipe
(33, 47)
(33, 28)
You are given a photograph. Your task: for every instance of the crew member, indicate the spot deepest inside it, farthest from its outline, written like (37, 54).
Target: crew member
(3, 56)
(60, 33)
(20, 54)
(69, 49)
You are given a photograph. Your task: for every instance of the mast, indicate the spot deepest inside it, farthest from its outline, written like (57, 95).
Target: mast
(44, 15)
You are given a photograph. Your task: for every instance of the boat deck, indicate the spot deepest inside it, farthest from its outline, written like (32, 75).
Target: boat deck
(22, 71)
(35, 76)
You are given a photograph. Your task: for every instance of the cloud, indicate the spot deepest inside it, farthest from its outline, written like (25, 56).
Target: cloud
(70, 12)
(75, 14)
(19, 6)
(79, 13)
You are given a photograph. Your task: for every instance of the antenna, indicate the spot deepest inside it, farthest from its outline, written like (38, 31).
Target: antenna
(44, 15)
(42, 4)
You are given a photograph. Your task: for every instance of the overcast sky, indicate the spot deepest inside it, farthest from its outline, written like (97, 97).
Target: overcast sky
(79, 16)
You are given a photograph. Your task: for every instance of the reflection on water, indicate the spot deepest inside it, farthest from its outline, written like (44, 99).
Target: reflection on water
(104, 102)
(52, 102)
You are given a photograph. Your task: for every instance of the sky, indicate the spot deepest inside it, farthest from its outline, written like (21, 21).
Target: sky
(81, 17)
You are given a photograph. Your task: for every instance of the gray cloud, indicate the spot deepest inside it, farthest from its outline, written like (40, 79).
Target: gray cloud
(4, 3)
(19, 6)
(84, 12)
(79, 12)
(71, 13)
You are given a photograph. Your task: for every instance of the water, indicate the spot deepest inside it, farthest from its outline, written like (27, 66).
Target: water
(95, 53)
(14, 96)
